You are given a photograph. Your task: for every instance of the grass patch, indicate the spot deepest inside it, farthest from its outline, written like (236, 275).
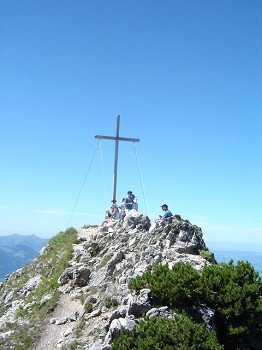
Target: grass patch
(104, 261)
(205, 254)
(54, 260)
(88, 307)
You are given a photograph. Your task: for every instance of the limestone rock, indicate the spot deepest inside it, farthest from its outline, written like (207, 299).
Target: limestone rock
(78, 274)
(105, 259)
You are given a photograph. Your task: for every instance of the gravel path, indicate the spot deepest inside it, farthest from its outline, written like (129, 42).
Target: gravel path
(50, 334)
(68, 305)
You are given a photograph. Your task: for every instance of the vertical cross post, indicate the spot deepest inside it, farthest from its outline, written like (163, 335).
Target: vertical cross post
(117, 138)
(116, 157)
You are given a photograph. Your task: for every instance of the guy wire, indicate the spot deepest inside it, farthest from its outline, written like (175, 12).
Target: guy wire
(82, 186)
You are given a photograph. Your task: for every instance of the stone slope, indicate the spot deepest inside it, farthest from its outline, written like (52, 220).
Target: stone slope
(95, 298)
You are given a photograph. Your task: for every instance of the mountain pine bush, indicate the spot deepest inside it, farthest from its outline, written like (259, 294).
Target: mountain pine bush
(165, 334)
(174, 287)
(234, 292)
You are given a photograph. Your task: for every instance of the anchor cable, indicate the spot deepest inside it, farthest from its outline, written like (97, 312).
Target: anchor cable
(141, 179)
(103, 170)
(92, 159)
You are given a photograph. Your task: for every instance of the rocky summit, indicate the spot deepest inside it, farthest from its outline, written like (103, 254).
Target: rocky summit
(93, 301)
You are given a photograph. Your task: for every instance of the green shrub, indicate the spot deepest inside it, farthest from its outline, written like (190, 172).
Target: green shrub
(108, 302)
(165, 334)
(94, 249)
(235, 293)
(206, 254)
(175, 288)
(88, 307)
(83, 298)
(105, 260)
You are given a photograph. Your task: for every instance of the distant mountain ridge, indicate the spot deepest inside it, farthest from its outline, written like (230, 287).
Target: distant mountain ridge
(17, 250)
(31, 241)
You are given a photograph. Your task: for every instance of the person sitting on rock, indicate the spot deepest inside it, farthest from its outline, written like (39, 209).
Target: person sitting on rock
(115, 211)
(135, 202)
(167, 213)
(108, 214)
(122, 209)
(111, 215)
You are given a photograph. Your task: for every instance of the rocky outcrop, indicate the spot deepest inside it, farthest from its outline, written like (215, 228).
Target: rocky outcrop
(106, 258)
(117, 252)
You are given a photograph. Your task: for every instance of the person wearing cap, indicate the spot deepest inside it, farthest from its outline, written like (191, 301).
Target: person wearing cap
(128, 201)
(167, 213)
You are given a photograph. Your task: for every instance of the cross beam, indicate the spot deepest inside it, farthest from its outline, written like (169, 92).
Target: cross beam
(117, 138)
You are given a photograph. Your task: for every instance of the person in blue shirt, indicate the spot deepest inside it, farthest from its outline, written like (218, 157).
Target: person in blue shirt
(128, 201)
(167, 213)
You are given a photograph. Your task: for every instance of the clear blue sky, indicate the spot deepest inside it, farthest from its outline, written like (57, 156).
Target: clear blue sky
(186, 78)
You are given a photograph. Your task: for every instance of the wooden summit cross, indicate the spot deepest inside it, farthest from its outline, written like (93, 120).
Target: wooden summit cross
(117, 138)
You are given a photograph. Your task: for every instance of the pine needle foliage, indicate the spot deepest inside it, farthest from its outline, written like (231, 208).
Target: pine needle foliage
(174, 287)
(165, 334)
(233, 291)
